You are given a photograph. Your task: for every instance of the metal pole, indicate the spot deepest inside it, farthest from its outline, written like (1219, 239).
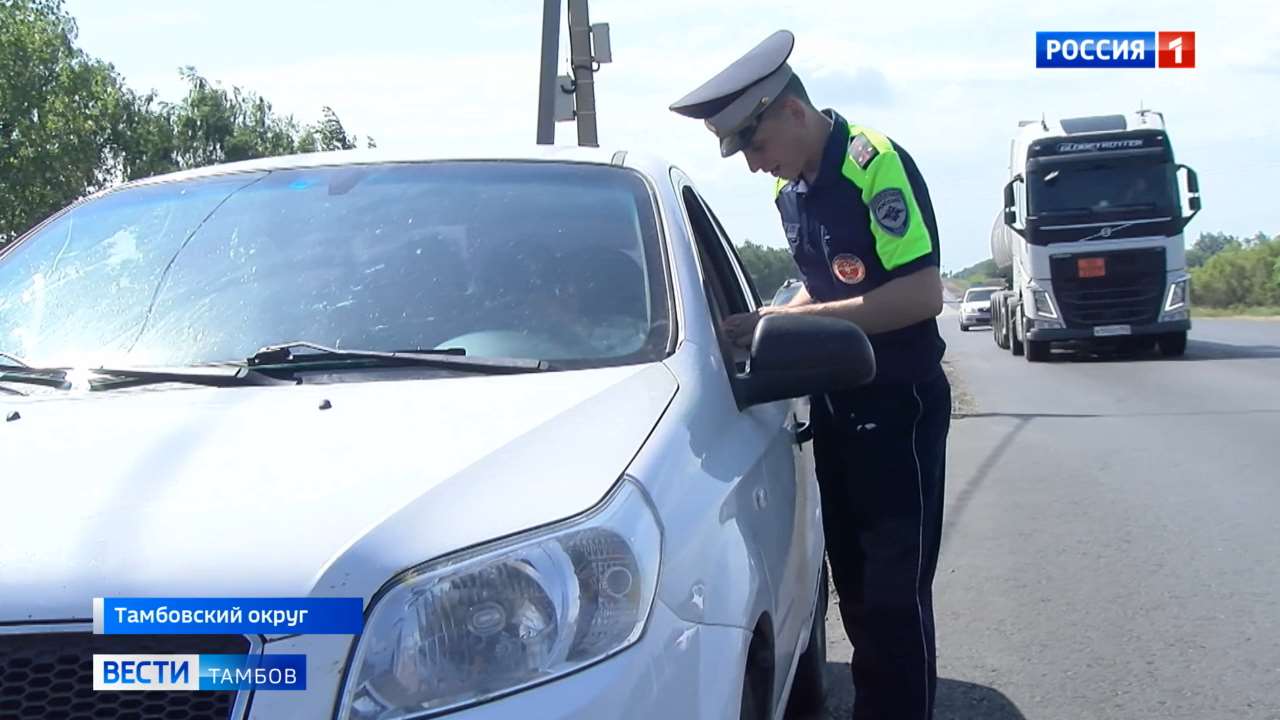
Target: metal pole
(547, 73)
(580, 55)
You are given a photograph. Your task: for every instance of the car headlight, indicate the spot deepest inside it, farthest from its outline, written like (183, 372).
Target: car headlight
(1042, 303)
(504, 617)
(1177, 296)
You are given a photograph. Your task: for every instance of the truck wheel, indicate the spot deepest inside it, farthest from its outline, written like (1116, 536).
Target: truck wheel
(808, 692)
(1038, 351)
(1015, 342)
(1173, 344)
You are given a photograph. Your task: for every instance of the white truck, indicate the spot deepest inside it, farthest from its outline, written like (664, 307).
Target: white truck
(1092, 225)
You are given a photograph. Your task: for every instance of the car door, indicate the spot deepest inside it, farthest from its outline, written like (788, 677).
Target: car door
(788, 528)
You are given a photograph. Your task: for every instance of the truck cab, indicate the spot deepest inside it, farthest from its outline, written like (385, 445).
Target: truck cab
(1092, 224)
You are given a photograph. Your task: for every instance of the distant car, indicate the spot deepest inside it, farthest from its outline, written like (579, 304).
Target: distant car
(975, 308)
(490, 397)
(786, 292)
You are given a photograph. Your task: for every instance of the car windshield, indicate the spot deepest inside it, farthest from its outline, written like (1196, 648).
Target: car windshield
(1075, 188)
(978, 295)
(554, 261)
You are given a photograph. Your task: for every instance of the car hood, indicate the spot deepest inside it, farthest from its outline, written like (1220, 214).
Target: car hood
(260, 492)
(984, 305)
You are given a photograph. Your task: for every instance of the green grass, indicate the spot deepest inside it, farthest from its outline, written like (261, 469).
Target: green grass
(1237, 311)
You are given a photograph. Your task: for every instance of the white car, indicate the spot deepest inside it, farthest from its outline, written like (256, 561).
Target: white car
(975, 308)
(786, 292)
(490, 397)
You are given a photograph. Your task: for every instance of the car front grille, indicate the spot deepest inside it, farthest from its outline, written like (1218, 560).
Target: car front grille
(50, 676)
(1129, 293)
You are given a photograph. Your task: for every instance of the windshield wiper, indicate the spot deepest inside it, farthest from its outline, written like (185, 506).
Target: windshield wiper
(208, 376)
(446, 358)
(1068, 211)
(1133, 206)
(48, 377)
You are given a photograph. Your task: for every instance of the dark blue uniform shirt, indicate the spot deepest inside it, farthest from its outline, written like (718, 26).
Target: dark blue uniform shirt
(865, 221)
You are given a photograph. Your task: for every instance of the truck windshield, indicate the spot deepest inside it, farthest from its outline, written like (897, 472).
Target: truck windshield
(1082, 188)
(549, 261)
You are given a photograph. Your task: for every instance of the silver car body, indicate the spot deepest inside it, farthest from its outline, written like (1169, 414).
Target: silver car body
(254, 492)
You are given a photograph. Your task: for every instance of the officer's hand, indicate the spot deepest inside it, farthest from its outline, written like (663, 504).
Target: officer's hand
(741, 328)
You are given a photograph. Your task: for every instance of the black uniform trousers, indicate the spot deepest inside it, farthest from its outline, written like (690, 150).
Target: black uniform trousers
(880, 453)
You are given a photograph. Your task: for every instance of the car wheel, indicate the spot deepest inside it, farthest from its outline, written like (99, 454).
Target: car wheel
(750, 708)
(808, 689)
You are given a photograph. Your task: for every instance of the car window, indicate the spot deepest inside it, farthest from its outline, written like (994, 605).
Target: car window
(978, 295)
(727, 292)
(553, 261)
(744, 280)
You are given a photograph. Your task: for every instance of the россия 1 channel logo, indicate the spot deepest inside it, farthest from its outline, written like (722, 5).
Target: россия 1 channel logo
(1116, 49)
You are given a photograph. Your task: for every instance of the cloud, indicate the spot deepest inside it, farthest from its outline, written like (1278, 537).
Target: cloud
(864, 86)
(948, 80)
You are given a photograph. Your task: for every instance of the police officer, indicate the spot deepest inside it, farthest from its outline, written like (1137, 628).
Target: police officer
(862, 231)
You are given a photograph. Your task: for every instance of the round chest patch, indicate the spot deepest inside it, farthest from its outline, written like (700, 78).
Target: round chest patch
(848, 269)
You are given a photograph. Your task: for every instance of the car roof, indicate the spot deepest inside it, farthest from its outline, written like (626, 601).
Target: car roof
(649, 163)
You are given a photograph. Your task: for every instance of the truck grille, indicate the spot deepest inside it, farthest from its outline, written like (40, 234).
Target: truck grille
(50, 676)
(1129, 294)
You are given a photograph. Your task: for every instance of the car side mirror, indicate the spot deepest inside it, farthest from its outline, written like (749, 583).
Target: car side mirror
(1193, 193)
(1011, 204)
(795, 355)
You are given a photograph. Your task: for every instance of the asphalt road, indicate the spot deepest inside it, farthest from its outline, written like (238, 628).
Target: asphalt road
(1112, 536)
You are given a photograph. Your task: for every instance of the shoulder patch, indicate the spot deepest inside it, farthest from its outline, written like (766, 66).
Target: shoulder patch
(889, 208)
(848, 269)
(862, 151)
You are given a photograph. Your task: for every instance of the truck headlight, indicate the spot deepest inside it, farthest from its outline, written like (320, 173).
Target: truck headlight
(504, 617)
(1177, 296)
(1042, 303)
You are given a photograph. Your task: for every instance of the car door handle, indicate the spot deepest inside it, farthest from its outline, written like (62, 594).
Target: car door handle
(804, 432)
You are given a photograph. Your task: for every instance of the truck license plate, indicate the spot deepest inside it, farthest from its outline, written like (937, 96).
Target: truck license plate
(1091, 267)
(1111, 330)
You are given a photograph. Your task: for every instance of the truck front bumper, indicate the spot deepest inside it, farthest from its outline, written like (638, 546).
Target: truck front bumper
(1088, 333)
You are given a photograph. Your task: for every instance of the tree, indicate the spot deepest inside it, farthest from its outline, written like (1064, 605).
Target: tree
(1207, 245)
(59, 111)
(329, 134)
(769, 267)
(1240, 276)
(1259, 238)
(984, 273)
(69, 126)
(214, 125)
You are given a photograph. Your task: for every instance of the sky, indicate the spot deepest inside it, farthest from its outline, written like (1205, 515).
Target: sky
(948, 81)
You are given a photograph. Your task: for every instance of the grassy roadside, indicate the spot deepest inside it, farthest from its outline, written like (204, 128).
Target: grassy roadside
(962, 402)
(1262, 312)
